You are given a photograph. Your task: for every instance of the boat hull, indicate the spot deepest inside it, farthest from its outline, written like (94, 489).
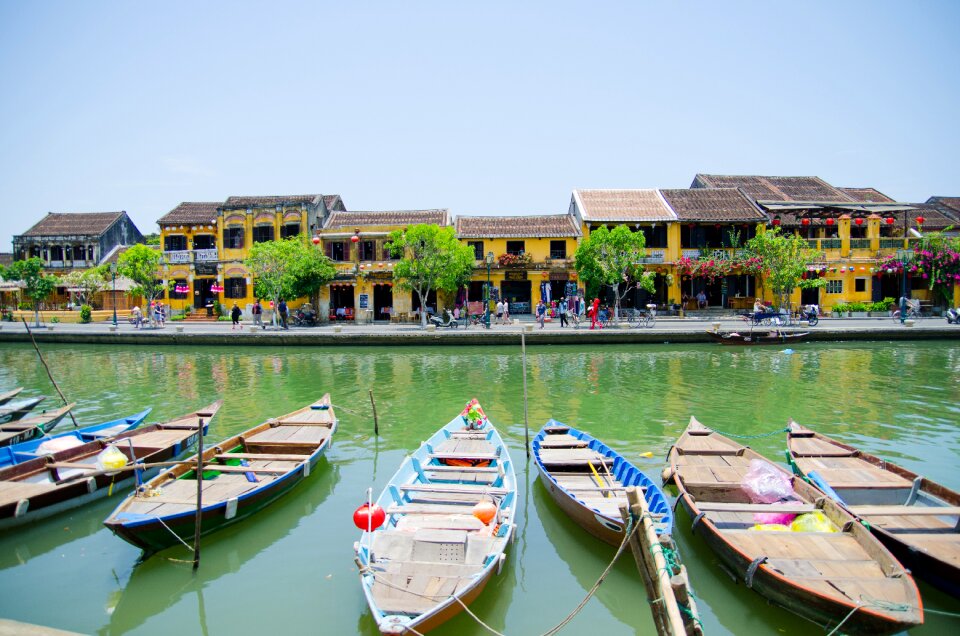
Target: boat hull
(756, 339)
(603, 528)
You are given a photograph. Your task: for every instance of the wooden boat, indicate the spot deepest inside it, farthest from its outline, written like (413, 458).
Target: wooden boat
(916, 519)
(774, 337)
(830, 578)
(15, 410)
(46, 485)
(437, 549)
(48, 444)
(29, 428)
(588, 479)
(9, 395)
(241, 475)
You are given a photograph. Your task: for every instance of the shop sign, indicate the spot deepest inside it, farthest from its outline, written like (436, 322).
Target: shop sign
(364, 301)
(512, 274)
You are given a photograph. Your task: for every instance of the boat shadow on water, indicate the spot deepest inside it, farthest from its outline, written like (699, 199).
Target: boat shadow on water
(166, 579)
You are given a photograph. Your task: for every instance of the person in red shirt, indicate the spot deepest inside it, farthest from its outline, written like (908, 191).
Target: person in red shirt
(595, 313)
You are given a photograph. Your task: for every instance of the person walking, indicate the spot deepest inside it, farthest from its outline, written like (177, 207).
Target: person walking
(541, 313)
(282, 310)
(562, 310)
(595, 313)
(235, 314)
(506, 312)
(137, 317)
(499, 312)
(257, 312)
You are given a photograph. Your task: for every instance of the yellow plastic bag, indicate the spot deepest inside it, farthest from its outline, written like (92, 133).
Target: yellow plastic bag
(111, 458)
(814, 521)
(770, 527)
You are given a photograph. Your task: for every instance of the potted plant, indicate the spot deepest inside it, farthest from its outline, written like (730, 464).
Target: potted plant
(858, 309)
(840, 310)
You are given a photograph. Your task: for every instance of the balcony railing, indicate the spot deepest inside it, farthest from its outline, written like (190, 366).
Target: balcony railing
(205, 256)
(891, 243)
(829, 244)
(654, 256)
(179, 256)
(859, 244)
(690, 253)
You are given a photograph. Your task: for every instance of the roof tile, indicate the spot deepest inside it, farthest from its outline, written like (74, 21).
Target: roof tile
(76, 223)
(866, 195)
(623, 205)
(191, 213)
(774, 188)
(267, 201)
(343, 219)
(709, 204)
(531, 226)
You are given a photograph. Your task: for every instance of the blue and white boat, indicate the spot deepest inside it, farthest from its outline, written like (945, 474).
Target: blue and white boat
(50, 444)
(588, 480)
(447, 516)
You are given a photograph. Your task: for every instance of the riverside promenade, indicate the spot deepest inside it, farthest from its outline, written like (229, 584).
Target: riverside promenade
(667, 330)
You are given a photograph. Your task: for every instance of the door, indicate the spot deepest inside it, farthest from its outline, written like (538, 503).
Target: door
(382, 300)
(202, 296)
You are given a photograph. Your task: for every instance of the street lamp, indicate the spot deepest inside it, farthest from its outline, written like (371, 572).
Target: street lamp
(904, 256)
(113, 272)
(486, 292)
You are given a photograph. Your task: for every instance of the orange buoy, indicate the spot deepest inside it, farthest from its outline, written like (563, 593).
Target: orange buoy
(485, 511)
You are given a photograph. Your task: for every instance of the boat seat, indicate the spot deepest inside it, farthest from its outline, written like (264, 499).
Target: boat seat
(888, 511)
(478, 547)
(789, 508)
(263, 457)
(724, 452)
(463, 521)
(454, 489)
(431, 509)
(414, 593)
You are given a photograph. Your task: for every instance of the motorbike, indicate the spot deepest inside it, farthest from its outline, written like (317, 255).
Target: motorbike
(305, 318)
(451, 322)
(811, 313)
(953, 316)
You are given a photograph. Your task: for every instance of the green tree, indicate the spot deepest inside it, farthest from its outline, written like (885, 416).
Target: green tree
(141, 264)
(431, 258)
(784, 259)
(89, 282)
(611, 258)
(151, 239)
(289, 268)
(36, 286)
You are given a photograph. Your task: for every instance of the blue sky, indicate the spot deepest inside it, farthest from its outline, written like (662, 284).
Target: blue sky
(482, 108)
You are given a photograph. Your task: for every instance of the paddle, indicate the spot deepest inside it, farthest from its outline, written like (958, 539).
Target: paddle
(599, 479)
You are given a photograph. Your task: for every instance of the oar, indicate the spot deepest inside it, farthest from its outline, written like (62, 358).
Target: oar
(597, 477)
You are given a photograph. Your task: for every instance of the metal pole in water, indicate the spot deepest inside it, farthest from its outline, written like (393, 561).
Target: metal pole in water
(49, 375)
(526, 427)
(196, 521)
(376, 425)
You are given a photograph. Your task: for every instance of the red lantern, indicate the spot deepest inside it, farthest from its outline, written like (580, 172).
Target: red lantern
(354, 239)
(776, 220)
(858, 221)
(889, 220)
(368, 517)
(804, 221)
(830, 221)
(920, 220)
(316, 240)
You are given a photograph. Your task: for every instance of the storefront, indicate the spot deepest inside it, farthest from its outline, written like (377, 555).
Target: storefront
(517, 290)
(382, 301)
(342, 300)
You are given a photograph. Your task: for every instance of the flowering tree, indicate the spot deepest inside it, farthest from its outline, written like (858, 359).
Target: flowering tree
(612, 258)
(936, 260)
(785, 259)
(88, 282)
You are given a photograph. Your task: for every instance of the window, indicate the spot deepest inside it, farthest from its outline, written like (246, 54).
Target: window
(514, 247)
(368, 250)
(204, 242)
(387, 256)
(834, 286)
(233, 238)
(860, 284)
(477, 249)
(176, 243)
(558, 249)
(262, 233)
(235, 288)
(337, 251)
(289, 229)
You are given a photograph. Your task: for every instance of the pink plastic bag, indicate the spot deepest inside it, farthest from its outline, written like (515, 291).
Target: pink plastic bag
(765, 483)
(777, 518)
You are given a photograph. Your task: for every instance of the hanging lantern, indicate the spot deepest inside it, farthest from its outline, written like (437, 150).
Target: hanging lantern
(858, 221)
(776, 221)
(369, 517)
(354, 239)
(889, 220)
(830, 221)
(920, 220)
(804, 221)
(316, 240)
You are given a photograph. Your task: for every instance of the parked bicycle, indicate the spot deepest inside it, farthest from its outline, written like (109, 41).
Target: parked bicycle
(644, 317)
(913, 310)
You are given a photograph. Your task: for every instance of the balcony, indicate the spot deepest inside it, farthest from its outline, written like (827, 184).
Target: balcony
(205, 256)
(180, 256)
(654, 256)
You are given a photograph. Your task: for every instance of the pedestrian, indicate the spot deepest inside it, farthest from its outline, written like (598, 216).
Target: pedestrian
(562, 310)
(137, 316)
(594, 313)
(541, 313)
(235, 315)
(157, 314)
(701, 300)
(499, 312)
(282, 310)
(257, 312)
(506, 312)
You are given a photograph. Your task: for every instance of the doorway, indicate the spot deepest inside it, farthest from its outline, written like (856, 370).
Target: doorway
(517, 293)
(202, 296)
(382, 301)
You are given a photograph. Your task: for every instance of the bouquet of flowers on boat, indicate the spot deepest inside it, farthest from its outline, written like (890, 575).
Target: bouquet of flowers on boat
(473, 415)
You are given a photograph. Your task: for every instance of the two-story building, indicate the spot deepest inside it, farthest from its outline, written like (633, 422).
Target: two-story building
(524, 258)
(67, 241)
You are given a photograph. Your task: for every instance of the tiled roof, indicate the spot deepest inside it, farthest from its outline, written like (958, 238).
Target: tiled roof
(708, 204)
(866, 195)
(6, 258)
(774, 188)
(342, 219)
(622, 205)
(333, 202)
(190, 213)
(948, 205)
(259, 202)
(539, 226)
(75, 223)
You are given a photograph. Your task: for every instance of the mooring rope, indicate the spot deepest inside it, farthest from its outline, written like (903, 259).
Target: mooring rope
(672, 563)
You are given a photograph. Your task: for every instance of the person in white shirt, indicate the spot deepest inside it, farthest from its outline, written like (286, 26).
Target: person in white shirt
(499, 312)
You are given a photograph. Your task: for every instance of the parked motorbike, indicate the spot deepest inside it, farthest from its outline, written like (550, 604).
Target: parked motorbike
(953, 316)
(811, 313)
(451, 322)
(305, 318)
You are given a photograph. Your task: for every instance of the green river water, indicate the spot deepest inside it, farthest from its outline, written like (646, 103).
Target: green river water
(290, 569)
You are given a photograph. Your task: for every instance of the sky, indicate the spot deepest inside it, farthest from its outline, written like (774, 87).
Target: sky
(482, 108)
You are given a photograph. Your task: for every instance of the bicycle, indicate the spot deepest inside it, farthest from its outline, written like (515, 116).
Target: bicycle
(644, 318)
(912, 314)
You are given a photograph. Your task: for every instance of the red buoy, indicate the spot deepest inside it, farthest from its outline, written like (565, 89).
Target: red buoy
(368, 517)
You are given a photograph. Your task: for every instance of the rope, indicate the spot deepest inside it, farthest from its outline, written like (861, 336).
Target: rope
(476, 618)
(770, 434)
(672, 563)
(927, 610)
(185, 544)
(840, 624)
(627, 535)
(869, 601)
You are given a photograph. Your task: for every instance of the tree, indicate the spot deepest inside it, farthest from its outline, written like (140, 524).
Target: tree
(36, 286)
(431, 258)
(141, 264)
(89, 282)
(288, 268)
(784, 258)
(611, 258)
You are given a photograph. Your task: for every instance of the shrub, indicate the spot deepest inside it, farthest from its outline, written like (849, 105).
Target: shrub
(857, 306)
(54, 320)
(86, 313)
(176, 317)
(841, 308)
(25, 306)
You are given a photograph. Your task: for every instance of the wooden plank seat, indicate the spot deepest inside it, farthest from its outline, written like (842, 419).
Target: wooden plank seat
(813, 447)
(454, 488)
(296, 423)
(465, 456)
(434, 468)
(722, 452)
(263, 456)
(246, 469)
(889, 511)
(786, 508)
(460, 521)
(430, 509)
(597, 488)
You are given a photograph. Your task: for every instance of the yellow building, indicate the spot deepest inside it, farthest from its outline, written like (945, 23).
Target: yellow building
(522, 257)
(356, 241)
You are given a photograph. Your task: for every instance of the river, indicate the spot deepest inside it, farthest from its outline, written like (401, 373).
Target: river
(290, 569)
